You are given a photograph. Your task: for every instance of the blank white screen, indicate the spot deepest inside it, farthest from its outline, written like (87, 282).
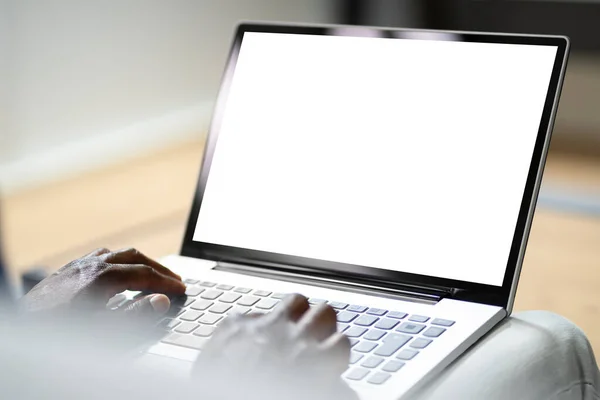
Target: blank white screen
(406, 155)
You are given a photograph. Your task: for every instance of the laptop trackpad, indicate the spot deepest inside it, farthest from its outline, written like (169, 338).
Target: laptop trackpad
(173, 360)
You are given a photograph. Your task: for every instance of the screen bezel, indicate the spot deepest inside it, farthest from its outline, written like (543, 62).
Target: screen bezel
(481, 293)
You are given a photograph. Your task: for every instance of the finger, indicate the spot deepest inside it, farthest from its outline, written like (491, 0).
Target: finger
(155, 304)
(97, 252)
(120, 277)
(318, 323)
(327, 360)
(133, 256)
(336, 349)
(293, 306)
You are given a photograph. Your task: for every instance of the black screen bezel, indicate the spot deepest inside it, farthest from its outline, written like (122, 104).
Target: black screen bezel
(487, 294)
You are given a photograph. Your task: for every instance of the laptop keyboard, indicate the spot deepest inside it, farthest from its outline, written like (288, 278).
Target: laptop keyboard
(383, 341)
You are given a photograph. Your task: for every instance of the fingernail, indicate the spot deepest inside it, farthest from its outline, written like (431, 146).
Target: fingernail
(160, 303)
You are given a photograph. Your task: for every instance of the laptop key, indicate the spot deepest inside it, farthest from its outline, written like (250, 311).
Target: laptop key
(207, 284)
(230, 297)
(392, 366)
(190, 341)
(366, 320)
(262, 293)
(371, 362)
(353, 342)
(376, 311)
(355, 331)
(193, 290)
(434, 331)
(420, 343)
(242, 290)
(355, 357)
(204, 330)
(346, 316)
(247, 301)
(392, 344)
(378, 378)
(167, 324)
(188, 301)
(224, 287)
(190, 281)
(181, 300)
(407, 327)
(266, 304)
(241, 310)
(342, 327)
(418, 318)
(209, 319)
(211, 294)
(315, 301)
(386, 323)
(442, 322)
(191, 315)
(124, 303)
(175, 310)
(220, 308)
(338, 305)
(185, 327)
(278, 296)
(406, 354)
(179, 312)
(201, 305)
(395, 336)
(364, 347)
(356, 374)
(374, 334)
(397, 314)
(358, 309)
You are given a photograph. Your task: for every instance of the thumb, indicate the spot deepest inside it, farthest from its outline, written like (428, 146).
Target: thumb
(156, 304)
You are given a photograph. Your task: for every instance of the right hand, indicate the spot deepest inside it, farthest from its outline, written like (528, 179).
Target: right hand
(294, 352)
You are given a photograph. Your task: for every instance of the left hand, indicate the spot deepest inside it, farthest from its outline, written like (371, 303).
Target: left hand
(90, 281)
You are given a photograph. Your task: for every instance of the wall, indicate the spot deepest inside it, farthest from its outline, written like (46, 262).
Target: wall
(89, 82)
(86, 82)
(6, 90)
(578, 119)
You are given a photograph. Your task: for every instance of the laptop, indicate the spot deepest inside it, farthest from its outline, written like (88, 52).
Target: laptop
(391, 173)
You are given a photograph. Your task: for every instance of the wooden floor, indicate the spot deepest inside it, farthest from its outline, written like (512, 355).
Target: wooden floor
(144, 203)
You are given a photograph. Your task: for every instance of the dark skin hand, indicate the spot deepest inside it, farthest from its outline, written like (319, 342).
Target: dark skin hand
(90, 281)
(294, 352)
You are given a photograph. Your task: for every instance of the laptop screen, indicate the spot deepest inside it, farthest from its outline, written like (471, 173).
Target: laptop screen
(397, 154)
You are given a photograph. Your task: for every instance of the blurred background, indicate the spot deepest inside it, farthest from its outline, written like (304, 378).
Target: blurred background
(104, 107)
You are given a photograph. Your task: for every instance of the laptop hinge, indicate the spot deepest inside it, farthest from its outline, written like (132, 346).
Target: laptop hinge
(354, 284)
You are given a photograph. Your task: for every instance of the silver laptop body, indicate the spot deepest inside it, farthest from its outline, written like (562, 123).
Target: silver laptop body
(392, 173)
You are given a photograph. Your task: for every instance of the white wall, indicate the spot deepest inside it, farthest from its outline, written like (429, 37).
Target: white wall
(87, 82)
(91, 81)
(6, 90)
(578, 119)
(578, 113)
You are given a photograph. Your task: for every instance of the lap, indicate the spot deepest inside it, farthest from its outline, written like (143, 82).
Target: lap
(531, 355)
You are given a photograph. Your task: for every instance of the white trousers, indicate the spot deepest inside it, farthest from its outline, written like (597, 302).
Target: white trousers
(531, 355)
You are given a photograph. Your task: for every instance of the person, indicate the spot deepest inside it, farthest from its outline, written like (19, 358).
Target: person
(290, 346)
(531, 355)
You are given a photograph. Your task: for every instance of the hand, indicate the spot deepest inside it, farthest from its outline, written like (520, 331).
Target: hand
(293, 353)
(88, 282)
